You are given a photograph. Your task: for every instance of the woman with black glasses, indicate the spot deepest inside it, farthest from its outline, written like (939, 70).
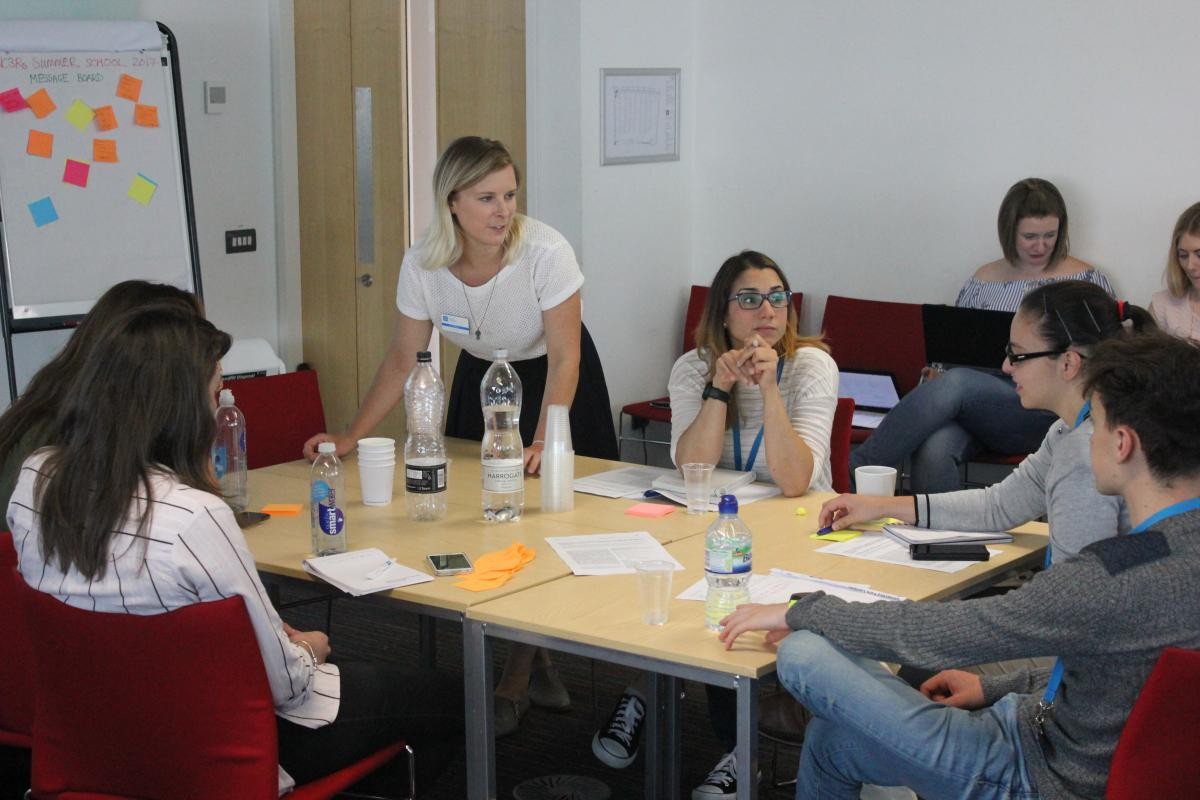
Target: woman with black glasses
(755, 395)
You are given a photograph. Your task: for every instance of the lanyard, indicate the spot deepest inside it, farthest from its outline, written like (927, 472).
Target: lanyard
(1083, 414)
(737, 434)
(1056, 675)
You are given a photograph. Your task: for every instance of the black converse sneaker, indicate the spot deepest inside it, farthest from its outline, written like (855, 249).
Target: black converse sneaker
(617, 743)
(721, 783)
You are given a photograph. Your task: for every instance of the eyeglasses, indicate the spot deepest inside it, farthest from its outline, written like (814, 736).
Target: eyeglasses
(778, 298)
(1017, 358)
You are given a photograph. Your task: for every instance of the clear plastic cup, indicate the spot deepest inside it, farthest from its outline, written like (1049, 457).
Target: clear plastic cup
(696, 479)
(654, 589)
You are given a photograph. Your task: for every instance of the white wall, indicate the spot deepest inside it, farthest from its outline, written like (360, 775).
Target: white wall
(866, 147)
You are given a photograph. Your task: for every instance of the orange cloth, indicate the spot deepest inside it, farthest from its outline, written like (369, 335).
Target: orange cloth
(496, 568)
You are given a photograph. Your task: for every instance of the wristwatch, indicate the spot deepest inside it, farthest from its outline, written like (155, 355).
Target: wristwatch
(713, 392)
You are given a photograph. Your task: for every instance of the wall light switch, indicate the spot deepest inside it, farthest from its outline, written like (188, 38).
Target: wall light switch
(214, 98)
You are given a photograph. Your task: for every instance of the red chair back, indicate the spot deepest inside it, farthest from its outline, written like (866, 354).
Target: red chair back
(163, 707)
(1158, 754)
(877, 335)
(282, 412)
(16, 665)
(839, 445)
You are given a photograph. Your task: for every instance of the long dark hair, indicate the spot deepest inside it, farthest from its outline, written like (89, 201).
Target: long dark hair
(38, 404)
(1081, 314)
(139, 404)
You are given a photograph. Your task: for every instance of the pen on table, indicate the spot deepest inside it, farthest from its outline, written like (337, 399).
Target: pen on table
(380, 571)
(825, 530)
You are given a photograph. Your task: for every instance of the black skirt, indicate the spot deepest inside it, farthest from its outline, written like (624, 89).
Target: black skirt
(592, 432)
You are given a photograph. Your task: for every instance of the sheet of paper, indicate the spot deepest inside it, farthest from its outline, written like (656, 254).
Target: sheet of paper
(877, 547)
(79, 114)
(609, 553)
(43, 211)
(779, 586)
(76, 173)
(40, 143)
(146, 116)
(910, 534)
(624, 482)
(129, 87)
(348, 571)
(750, 493)
(142, 189)
(41, 103)
(104, 150)
(867, 419)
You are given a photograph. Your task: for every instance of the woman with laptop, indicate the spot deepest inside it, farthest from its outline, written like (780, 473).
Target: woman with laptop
(945, 421)
(1177, 308)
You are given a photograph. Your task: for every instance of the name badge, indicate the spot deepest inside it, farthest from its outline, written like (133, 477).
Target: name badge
(457, 324)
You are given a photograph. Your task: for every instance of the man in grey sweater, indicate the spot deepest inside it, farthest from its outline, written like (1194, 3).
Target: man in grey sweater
(1106, 614)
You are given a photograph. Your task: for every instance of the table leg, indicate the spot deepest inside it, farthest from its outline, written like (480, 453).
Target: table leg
(747, 738)
(427, 641)
(651, 737)
(481, 743)
(671, 756)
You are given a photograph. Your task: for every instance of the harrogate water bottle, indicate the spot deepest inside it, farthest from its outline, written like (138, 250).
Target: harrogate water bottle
(502, 453)
(229, 453)
(424, 449)
(727, 563)
(327, 490)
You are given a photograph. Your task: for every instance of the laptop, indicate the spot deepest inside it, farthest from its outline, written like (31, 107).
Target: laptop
(874, 394)
(965, 337)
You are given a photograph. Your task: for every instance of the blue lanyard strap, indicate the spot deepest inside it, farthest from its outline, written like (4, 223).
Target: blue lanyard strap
(737, 434)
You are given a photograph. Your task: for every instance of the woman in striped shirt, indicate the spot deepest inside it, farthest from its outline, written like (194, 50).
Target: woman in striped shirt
(122, 515)
(943, 423)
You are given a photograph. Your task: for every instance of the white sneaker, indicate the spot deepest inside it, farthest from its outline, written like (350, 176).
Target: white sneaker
(617, 743)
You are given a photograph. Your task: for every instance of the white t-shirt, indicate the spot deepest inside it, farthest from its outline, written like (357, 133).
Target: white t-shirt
(507, 310)
(809, 385)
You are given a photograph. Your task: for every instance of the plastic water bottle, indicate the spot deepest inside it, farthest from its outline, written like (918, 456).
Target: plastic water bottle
(327, 488)
(727, 563)
(229, 453)
(424, 449)
(502, 453)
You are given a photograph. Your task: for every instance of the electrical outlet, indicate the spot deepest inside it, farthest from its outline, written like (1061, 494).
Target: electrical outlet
(243, 240)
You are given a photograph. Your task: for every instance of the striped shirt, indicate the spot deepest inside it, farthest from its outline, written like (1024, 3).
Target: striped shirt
(1007, 295)
(192, 552)
(809, 385)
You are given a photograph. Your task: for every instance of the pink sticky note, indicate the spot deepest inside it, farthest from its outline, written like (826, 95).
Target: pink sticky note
(12, 100)
(649, 510)
(76, 172)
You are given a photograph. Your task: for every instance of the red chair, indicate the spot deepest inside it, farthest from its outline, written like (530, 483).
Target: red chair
(168, 706)
(839, 444)
(16, 666)
(282, 412)
(1158, 754)
(643, 412)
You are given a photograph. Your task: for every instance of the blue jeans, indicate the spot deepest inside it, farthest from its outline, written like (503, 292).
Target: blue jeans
(943, 423)
(869, 726)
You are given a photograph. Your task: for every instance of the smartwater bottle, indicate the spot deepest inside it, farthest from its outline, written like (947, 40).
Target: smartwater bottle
(229, 453)
(424, 449)
(503, 455)
(327, 490)
(727, 563)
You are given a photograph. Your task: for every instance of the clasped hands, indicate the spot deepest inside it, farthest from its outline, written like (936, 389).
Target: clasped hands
(752, 365)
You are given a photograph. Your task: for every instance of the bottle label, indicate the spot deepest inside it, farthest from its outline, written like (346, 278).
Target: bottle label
(321, 490)
(503, 474)
(331, 519)
(220, 461)
(730, 561)
(425, 479)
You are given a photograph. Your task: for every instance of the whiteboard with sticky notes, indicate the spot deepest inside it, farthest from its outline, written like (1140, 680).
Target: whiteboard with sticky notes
(95, 186)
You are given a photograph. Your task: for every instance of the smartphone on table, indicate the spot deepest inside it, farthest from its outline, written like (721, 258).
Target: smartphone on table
(948, 552)
(449, 563)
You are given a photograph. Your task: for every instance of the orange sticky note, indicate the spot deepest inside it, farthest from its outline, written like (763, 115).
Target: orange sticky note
(40, 144)
(649, 510)
(105, 120)
(146, 116)
(104, 150)
(129, 87)
(283, 509)
(41, 103)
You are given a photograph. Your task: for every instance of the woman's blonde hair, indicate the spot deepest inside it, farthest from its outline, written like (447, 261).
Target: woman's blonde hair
(1178, 282)
(464, 163)
(712, 337)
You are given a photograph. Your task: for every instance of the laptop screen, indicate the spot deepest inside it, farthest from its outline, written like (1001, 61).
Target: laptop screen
(872, 391)
(968, 337)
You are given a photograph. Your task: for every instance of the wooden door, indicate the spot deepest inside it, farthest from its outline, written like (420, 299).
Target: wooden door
(353, 172)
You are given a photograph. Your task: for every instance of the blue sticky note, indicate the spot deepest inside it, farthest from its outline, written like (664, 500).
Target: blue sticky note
(43, 211)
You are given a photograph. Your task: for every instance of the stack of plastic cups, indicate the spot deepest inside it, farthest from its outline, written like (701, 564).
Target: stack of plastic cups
(377, 469)
(558, 462)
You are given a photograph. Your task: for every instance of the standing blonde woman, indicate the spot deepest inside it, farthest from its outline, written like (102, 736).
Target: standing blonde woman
(1177, 308)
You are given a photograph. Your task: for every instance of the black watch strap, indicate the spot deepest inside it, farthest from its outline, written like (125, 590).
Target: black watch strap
(713, 392)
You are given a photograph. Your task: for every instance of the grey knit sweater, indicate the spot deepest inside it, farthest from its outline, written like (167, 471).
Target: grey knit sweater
(1106, 613)
(1056, 481)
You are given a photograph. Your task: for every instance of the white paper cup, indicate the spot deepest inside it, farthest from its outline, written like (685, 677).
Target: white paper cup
(875, 481)
(376, 483)
(654, 590)
(696, 479)
(376, 444)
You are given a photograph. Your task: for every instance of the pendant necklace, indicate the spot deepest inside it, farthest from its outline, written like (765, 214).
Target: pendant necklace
(471, 311)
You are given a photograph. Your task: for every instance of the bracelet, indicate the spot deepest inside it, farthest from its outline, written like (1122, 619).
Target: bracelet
(712, 392)
(538, 441)
(309, 648)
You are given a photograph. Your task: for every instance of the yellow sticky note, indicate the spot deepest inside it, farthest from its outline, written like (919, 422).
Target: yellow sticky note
(41, 103)
(129, 87)
(801, 511)
(142, 189)
(837, 536)
(79, 114)
(104, 150)
(283, 509)
(106, 118)
(146, 116)
(40, 144)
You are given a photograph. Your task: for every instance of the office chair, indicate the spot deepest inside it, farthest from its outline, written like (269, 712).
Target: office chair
(282, 412)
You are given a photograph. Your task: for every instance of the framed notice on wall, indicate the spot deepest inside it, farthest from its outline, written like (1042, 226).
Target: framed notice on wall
(639, 115)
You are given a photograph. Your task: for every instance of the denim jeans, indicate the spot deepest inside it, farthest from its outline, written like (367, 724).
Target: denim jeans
(943, 423)
(869, 726)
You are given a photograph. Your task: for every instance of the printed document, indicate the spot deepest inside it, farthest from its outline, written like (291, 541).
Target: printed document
(609, 553)
(360, 572)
